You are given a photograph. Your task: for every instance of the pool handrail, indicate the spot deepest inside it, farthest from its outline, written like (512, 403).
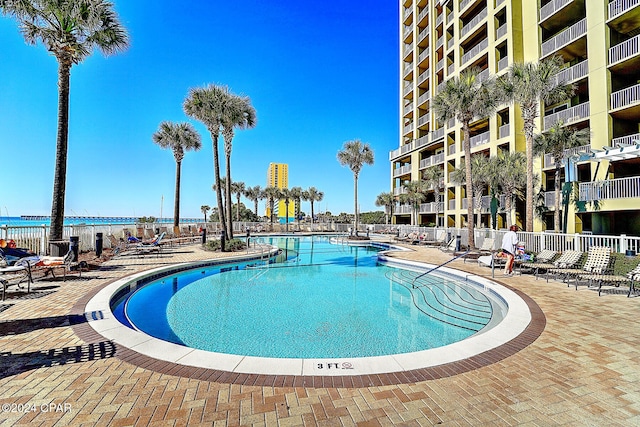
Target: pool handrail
(437, 267)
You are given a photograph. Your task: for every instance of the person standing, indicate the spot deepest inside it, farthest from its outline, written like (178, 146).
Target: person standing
(509, 242)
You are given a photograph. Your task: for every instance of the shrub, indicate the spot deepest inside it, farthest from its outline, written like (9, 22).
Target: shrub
(233, 245)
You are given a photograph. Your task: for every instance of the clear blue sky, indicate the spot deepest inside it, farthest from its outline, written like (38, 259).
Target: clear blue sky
(317, 73)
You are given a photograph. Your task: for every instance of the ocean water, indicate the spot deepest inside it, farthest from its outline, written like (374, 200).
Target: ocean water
(20, 221)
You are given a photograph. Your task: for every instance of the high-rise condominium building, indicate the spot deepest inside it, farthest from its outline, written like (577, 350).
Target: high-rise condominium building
(278, 176)
(599, 43)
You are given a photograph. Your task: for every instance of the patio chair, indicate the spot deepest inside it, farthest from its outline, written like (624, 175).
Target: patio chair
(48, 264)
(542, 261)
(569, 259)
(144, 248)
(597, 263)
(611, 280)
(485, 249)
(13, 275)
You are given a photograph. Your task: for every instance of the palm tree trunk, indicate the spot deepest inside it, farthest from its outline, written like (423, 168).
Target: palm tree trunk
(60, 174)
(528, 131)
(469, 190)
(286, 215)
(312, 215)
(228, 192)
(355, 200)
(238, 209)
(216, 166)
(255, 207)
(556, 214)
(176, 203)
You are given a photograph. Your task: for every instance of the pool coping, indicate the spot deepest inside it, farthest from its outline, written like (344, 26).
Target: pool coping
(526, 323)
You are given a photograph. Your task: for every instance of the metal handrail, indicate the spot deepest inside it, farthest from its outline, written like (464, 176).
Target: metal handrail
(437, 267)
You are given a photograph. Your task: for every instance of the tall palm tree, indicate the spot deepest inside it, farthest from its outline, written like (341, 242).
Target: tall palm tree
(70, 33)
(297, 195)
(414, 195)
(481, 173)
(179, 137)
(312, 194)
(238, 113)
(387, 200)
(205, 210)
(222, 194)
(555, 141)
(254, 194)
(510, 178)
(238, 188)
(528, 84)
(433, 177)
(287, 197)
(271, 194)
(355, 154)
(208, 104)
(464, 98)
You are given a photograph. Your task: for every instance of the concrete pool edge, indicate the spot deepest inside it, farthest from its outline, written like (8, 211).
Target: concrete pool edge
(525, 325)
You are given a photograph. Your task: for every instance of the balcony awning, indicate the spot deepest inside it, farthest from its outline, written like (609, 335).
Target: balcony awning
(622, 152)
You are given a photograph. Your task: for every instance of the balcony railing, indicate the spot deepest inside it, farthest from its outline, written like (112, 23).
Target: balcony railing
(625, 97)
(407, 89)
(437, 134)
(451, 123)
(618, 7)
(439, 19)
(403, 170)
(475, 50)
(400, 151)
(440, 65)
(432, 207)
(422, 77)
(568, 116)
(550, 162)
(465, 3)
(483, 138)
(424, 120)
(501, 31)
(422, 14)
(451, 69)
(504, 130)
(452, 149)
(439, 42)
(408, 128)
(625, 50)
(552, 7)
(451, 43)
(452, 205)
(407, 108)
(433, 160)
(626, 140)
(404, 209)
(423, 55)
(407, 13)
(620, 188)
(424, 33)
(567, 36)
(483, 75)
(499, 2)
(471, 24)
(423, 98)
(549, 199)
(407, 69)
(503, 63)
(573, 73)
(423, 140)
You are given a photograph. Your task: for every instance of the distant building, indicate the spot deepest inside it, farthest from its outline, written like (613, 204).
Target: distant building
(278, 176)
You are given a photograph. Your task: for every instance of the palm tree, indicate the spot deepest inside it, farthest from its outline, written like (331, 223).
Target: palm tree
(287, 197)
(70, 33)
(433, 177)
(481, 172)
(271, 194)
(510, 178)
(208, 105)
(355, 154)
(205, 209)
(312, 194)
(387, 200)
(254, 194)
(464, 98)
(223, 191)
(297, 195)
(238, 113)
(414, 196)
(238, 188)
(179, 137)
(528, 84)
(555, 141)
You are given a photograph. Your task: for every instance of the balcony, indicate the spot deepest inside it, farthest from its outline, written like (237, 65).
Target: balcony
(423, 14)
(452, 205)
(451, 69)
(403, 170)
(572, 74)
(423, 34)
(432, 207)
(424, 120)
(407, 90)
(618, 8)
(483, 75)
(550, 162)
(464, 4)
(503, 63)
(400, 151)
(439, 19)
(407, 50)
(483, 45)
(504, 131)
(552, 8)
(620, 188)
(431, 161)
(550, 199)
(424, 55)
(423, 140)
(407, 109)
(440, 65)
(424, 97)
(403, 209)
(407, 129)
(564, 38)
(483, 138)
(570, 115)
(437, 134)
(625, 51)
(439, 42)
(423, 76)
(625, 103)
(472, 24)
(407, 69)
(626, 140)
(452, 149)
(501, 31)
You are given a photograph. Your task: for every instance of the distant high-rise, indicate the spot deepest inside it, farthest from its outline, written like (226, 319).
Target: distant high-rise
(278, 176)
(598, 42)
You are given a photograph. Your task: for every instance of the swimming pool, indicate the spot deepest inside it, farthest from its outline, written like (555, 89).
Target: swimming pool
(322, 300)
(356, 298)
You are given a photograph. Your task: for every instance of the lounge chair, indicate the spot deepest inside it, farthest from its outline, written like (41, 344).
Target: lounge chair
(542, 261)
(485, 249)
(602, 280)
(13, 275)
(568, 260)
(597, 263)
(48, 264)
(439, 240)
(144, 248)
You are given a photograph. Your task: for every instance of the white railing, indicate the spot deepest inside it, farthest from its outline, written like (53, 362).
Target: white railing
(440, 42)
(567, 36)
(432, 160)
(407, 49)
(423, 140)
(501, 31)
(549, 161)
(432, 207)
(618, 7)
(408, 128)
(422, 14)
(407, 12)
(503, 63)
(625, 97)
(424, 33)
(440, 87)
(499, 2)
(625, 50)
(451, 43)
(567, 116)
(626, 140)
(475, 50)
(464, 4)
(452, 205)
(406, 148)
(399, 190)
(404, 209)
(437, 134)
(407, 69)
(552, 7)
(504, 131)
(452, 149)
(471, 24)
(451, 69)
(407, 108)
(407, 89)
(423, 76)
(619, 188)
(439, 19)
(408, 29)
(549, 199)
(423, 55)
(402, 170)
(483, 75)
(483, 138)
(424, 98)
(572, 73)
(424, 120)
(440, 65)
(451, 122)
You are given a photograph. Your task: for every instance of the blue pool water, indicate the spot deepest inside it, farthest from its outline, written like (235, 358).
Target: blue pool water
(321, 300)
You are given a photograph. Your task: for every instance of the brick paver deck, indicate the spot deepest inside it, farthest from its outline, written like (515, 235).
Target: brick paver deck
(583, 369)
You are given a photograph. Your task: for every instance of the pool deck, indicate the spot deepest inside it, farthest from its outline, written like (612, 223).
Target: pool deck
(583, 368)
